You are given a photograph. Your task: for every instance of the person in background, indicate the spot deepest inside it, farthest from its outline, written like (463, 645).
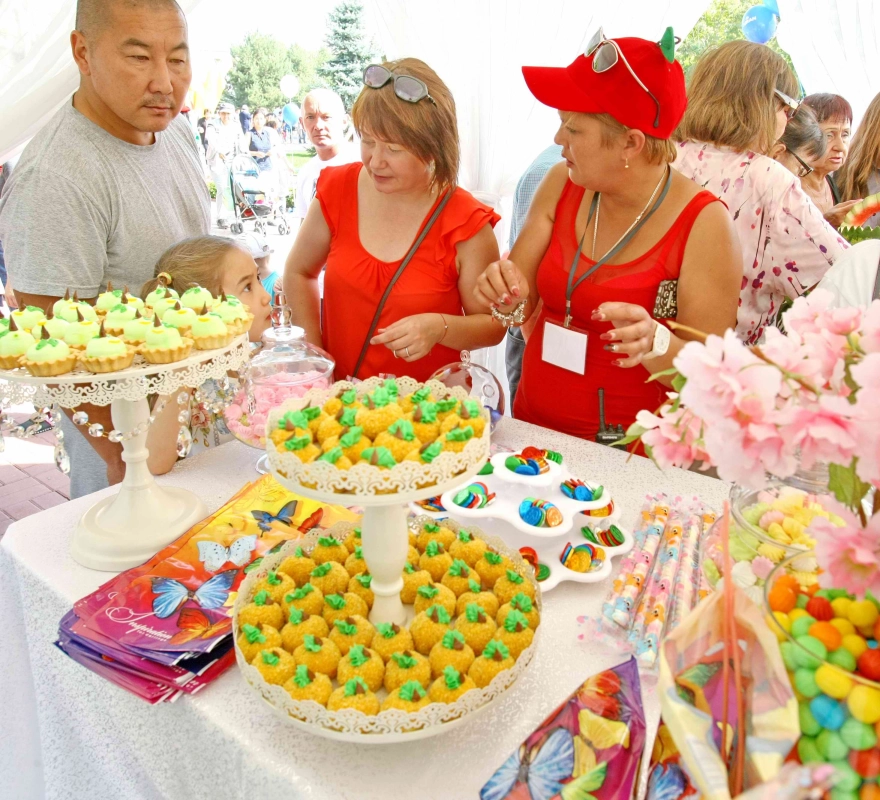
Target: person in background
(119, 173)
(739, 102)
(224, 140)
(262, 146)
(369, 215)
(202, 127)
(834, 115)
(261, 252)
(245, 118)
(615, 240)
(801, 145)
(860, 175)
(324, 121)
(527, 185)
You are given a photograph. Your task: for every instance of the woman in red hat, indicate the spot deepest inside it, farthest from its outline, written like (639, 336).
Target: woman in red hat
(614, 243)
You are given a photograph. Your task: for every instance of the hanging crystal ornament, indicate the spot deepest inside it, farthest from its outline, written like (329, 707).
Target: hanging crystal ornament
(80, 418)
(62, 460)
(96, 430)
(184, 442)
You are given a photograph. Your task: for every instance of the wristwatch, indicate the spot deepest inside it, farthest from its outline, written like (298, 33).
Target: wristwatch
(660, 345)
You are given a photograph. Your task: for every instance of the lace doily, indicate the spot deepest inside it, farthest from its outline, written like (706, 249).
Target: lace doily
(388, 726)
(321, 478)
(139, 380)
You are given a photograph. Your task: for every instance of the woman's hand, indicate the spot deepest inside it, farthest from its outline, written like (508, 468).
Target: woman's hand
(501, 284)
(633, 334)
(412, 338)
(834, 216)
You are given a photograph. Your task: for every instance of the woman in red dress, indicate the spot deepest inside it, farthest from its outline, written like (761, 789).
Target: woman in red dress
(365, 220)
(664, 249)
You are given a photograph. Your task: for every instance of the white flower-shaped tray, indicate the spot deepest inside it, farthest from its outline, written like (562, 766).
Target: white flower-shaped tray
(387, 727)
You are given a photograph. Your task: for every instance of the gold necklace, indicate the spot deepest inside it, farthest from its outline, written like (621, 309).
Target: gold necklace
(635, 221)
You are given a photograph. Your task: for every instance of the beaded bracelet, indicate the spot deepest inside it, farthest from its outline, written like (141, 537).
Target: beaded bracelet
(514, 318)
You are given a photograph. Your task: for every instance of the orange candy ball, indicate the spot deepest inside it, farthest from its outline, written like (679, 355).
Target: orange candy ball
(788, 580)
(826, 633)
(819, 608)
(782, 598)
(869, 791)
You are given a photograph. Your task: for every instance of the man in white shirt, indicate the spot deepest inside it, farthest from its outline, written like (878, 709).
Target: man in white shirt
(325, 122)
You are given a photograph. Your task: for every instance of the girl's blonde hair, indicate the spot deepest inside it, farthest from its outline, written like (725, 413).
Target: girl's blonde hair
(864, 155)
(192, 262)
(731, 97)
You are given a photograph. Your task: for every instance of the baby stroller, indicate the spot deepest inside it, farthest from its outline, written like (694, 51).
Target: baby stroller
(249, 200)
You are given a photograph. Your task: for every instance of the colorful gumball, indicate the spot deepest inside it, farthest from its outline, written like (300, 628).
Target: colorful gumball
(863, 613)
(820, 609)
(864, 704)
(856, 644)
(782, 598)
(826, 633)
(869, 664)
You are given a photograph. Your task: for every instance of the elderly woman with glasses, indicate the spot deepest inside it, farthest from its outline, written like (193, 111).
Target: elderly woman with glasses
(403, 244)
(801, 145)
(739, 103)
(615, 242)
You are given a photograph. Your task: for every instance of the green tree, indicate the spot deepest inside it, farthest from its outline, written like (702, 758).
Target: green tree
(722, 22)
(349, 50)
(305, 64)
(258, 64)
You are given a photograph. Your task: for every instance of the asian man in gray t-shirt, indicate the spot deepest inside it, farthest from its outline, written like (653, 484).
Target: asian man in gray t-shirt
(111, 182)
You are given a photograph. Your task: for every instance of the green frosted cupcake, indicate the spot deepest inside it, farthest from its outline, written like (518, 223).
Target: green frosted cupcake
(107, 300)
(118, 315)
(107, 354)
(81, 331)
(162, 306)
(48, 357)
(14, 343)
(179, 317)
(209, 332)
(135, 331)
(163, 344)
(197, 298)
(28, 318)
(160, 293)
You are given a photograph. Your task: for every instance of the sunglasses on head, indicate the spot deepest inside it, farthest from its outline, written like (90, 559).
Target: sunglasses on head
(406, 87)
(606, 53)
(790, 104)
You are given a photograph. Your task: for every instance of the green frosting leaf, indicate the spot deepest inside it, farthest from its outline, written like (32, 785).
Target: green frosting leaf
(357, 655)
(473, 612)
(297, 442)
(474, 586)
(452, 677)
(252, 634)
(301, 676)
(349, 397)
(352, 686)
(492, 558)
(428, 591)
(514, 621)
(298, 552)
(513, 577)
(293, 419)
(470, 409)
(358, 552)
(522, 602)
(311, 412)
(273, 579)
(311, 643)
(464, 536)
(304, 590)
(261, 598)
(420, 396)
(494, 647)
(439, 614)
(296, 615)
(446, 405)
(379, 398)
(390, 386)
(450, 638)
(270, 658)
(345, 628)
(486, 469)
(434, 549)
(412, 692)
(365, 579)
(459, 568)
(379, 457)
(331, 456)
(425, 412)
(327, 541)
(347, 417)
(353, 436)
(404, 661)
(322, 569)
(387, 630)
(402, 429)
(429, 452)
(335, 601)
(460, 434)
(431, 527)
(409, 569)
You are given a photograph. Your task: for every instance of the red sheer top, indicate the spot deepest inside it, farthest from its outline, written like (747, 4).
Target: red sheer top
(563, 400)
(355, 280)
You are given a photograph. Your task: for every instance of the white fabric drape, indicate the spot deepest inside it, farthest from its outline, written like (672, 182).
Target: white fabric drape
(478, 50)
(834, 46)
(37, 71)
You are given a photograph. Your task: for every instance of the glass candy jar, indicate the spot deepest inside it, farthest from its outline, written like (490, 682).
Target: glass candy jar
(478, 381)
(286, 367)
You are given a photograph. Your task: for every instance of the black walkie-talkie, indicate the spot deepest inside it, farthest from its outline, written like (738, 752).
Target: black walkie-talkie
(607, 434)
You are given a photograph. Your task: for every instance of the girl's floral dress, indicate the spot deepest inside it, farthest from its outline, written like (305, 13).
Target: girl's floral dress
(787, 246)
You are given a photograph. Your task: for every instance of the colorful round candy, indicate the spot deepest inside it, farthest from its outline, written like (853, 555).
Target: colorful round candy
(834, 682)
(862, 613)
(530, 556)
(858, 735)
(831, 746)
(800, 626)
(826, 633)
(782, 598)
(539, 513)
(535, 452)
(431, 504)
(811, 653)
(612, 537)
(526, 466)
(582, 558)
(855, 643)
(577, 490)
(820, 609)
(475, 495)
(864, 704)
(869, 664)
(542, 573)
(828, 712)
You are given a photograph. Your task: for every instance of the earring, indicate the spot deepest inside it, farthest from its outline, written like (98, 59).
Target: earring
(626, 165)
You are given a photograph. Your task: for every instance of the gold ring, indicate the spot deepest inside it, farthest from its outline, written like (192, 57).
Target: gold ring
(407, 351)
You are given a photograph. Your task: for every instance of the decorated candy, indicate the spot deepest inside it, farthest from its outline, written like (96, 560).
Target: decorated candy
(826, 633)
(526, 466)
(577, 490)
(476, 495)
(828, 712)
(529, 556)
(539, 513)
(582, 558)
(864, 704)
(833, 681)
(542, 573)
(431, 504)
(820, 609)
(612, 537)
(548, 455)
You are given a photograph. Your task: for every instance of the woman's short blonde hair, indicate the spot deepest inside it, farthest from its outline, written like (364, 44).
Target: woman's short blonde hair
(192, 262)
(658, 151)
(864, 156)
(731, 99)
(427, 130)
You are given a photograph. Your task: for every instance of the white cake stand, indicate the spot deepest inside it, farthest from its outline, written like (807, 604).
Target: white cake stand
(127, 528)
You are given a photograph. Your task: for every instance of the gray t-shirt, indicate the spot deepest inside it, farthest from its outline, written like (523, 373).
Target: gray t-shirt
(84, 207)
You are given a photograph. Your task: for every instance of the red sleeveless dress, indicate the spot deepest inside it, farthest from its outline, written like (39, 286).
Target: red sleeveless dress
(355, 281)
(563, 400)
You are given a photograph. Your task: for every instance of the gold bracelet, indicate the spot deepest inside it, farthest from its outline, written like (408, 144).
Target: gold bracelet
(445, 328)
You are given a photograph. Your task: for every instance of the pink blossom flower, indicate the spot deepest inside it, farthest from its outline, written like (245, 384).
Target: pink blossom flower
(869, 333)
(806, 312)
(742, 454)
(674, 437)
(849, 555)
(867, 412)
(825, 431)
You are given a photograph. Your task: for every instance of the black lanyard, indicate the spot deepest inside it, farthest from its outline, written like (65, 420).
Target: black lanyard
(572, 284)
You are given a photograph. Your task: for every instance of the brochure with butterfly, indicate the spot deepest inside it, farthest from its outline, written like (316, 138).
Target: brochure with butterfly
(165, 627)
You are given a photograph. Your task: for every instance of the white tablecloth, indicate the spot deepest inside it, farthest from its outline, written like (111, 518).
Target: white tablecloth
(64, 732)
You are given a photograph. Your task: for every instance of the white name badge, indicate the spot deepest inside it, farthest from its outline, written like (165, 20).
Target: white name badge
(565, 347)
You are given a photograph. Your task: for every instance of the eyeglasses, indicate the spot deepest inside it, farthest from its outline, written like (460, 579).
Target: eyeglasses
(406, 87)
(606, 53)
(805, 169)
(791, 105)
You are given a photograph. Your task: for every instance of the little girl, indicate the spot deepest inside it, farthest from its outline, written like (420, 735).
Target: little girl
(216, 264)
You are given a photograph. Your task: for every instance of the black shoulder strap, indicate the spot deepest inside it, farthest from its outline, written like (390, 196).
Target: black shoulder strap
(403, 264)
